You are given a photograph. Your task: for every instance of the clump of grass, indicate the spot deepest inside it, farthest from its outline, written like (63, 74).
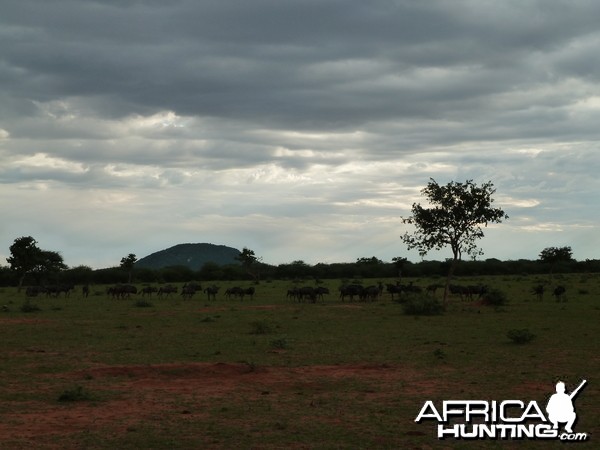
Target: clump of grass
(143, 304)
(29, 307)
(208, 319)
(76, 394)
(520, 336)
(422, 305)
(261, 327)
(279, 344)
(439, 353)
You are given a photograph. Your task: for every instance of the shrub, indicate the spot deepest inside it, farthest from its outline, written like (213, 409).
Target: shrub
(28, 307)
(520, 336)
(422, 305)
(279, 344)
(143, 304)
(74, 395)
(261, 327)
(494, 297)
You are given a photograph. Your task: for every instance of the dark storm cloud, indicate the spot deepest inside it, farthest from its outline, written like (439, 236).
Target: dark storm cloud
(286, 63)
(279, 118)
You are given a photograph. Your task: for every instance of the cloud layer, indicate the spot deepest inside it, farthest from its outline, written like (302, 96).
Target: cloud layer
(300, 129)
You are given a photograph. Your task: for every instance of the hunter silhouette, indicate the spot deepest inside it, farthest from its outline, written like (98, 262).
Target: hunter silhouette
(560, 407)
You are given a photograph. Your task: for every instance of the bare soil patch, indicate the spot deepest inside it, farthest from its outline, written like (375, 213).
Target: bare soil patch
(147, 392)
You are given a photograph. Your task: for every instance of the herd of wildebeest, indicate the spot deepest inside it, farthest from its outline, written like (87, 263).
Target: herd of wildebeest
(350, 292)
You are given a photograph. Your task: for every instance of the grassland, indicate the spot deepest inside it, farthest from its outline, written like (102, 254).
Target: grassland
(272, 373)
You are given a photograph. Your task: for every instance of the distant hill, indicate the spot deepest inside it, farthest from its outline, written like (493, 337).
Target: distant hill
(193, 256)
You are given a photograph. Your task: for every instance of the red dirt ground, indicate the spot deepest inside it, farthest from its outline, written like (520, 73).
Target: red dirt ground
(146, 392)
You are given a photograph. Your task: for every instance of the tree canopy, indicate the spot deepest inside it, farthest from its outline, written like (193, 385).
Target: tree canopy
(26, 257)
(455, 216)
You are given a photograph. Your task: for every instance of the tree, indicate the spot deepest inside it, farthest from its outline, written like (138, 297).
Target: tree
(455, 216)
(127, 263)
(399, 262)
(249, 259)
(26, 257)
(50, 262)
(554, 255)
(372, 260)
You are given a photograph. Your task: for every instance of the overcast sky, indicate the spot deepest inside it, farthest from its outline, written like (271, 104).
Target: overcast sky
(303, 130)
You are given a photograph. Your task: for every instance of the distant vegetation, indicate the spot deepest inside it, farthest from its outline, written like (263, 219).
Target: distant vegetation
(299, 270)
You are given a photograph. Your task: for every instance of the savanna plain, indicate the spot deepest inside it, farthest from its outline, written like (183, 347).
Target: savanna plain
(271, 372)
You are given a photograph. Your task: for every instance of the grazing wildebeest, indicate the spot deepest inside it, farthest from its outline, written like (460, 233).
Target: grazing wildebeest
(462, 291)
(57, 289)
(85, 291)
(321, 291)
(538, 291)
(236, 292)
(559, 293)
(479, 290)
(370, 293)
(211, 291)
(148, 290)
(410, 288)
(307, 293)
(250, 291)
(293, 293)
(432, 288)
(350, 290)
(394, 289)
(33, 291)
(167, 290)
(122, 290)
(188, 291)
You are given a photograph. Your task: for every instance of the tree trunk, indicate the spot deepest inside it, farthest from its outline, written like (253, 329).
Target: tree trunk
(449, 278)
(21, 279)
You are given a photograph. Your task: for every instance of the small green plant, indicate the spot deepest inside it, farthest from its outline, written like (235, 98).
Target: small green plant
(520, 336)
(28, 307)
(76, 394)
(208, 319)
(439, 353)
(279, 344)
(422, 305)
(261, 327)
(143, 304)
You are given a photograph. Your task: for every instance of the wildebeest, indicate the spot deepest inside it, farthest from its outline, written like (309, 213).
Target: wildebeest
(211, 291)
(559, 292)
(148, 290)
(57, 289)
(432, 288)
(350, 290)
(188, 291)
(393, 289)
(250, 291)
(369, 293)
(122, 290)
(33, 291)
(538, 291)
(308, 293)
(167, 290)
(321, 291)
(85, 291)
(467, 292)
(236, 292)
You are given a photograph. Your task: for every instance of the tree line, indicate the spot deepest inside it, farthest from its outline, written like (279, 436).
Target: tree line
(454, 216)
(365, 267)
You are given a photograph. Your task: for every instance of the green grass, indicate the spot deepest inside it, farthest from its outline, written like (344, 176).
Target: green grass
(465, 353)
